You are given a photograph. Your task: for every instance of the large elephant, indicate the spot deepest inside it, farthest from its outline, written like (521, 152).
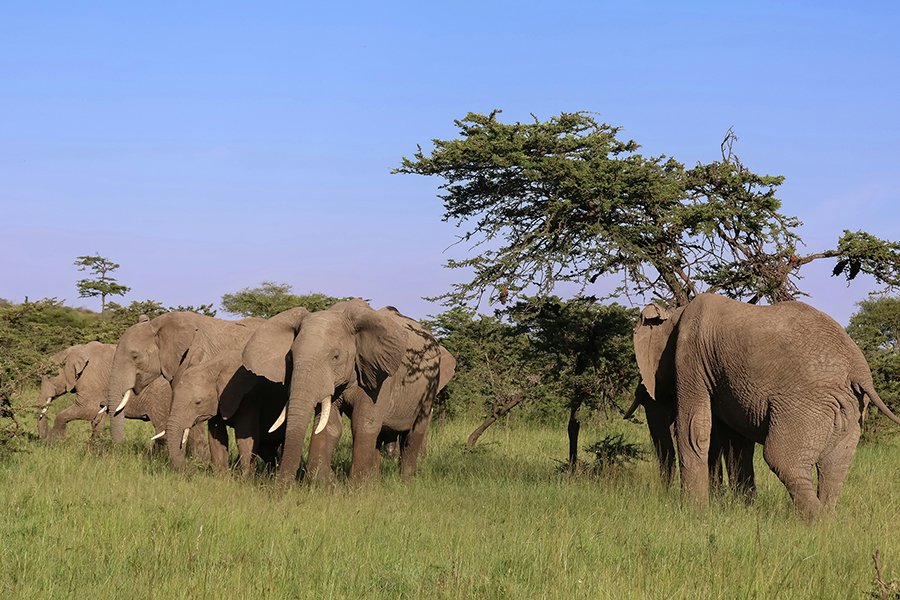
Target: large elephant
(384, 367)
(158, 348)
(220, 391)
(85, 371)
(785, 376)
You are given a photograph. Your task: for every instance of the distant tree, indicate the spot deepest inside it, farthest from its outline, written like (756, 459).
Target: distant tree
(875, 327)
(568, 200)
(101, 283)
(271, 298)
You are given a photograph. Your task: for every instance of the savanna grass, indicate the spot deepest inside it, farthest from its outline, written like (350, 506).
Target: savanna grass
(94, 521)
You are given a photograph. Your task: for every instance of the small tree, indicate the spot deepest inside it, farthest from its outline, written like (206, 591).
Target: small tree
(271, 298)
(101, 282)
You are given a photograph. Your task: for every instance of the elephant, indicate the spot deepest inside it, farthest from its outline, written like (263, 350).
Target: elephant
(220, 391)
(85, 371)
(383, 367)
(785, 376)
(158, 348)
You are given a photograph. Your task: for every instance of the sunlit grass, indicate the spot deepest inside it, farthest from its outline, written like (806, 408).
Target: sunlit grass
(94, 521)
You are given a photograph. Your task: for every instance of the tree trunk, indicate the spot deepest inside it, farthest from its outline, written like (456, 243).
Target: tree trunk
(512, 400)
(574, 428)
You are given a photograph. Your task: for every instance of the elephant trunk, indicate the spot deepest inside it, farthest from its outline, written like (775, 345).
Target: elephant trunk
(176, 441)
(309, 386)
(121, 382)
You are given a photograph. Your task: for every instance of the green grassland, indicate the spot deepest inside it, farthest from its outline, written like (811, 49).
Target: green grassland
(82, 520)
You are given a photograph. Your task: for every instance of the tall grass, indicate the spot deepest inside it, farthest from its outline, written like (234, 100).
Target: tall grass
(95, 521)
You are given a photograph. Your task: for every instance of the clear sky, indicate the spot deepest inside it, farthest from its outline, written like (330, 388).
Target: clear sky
(209, 146)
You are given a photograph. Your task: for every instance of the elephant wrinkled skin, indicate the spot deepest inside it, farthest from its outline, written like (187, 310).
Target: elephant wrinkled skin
(785, 376)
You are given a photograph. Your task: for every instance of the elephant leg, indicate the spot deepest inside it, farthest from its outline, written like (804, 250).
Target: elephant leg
(218, 444)
(74, 412)
(97, 425)
(739, 463)
(693, 426)
(365, 425)
(832, 467)
(246, 431)
(413, 445)
(718, 443)
(660, 419)
(790, 453)
(321, 449)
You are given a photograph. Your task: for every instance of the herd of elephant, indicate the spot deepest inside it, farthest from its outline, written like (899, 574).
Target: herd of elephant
(718, 376)
(265, 378)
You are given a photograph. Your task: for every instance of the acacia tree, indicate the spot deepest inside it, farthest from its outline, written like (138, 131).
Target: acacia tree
(567, 200)
(101, 283)
(271, 298)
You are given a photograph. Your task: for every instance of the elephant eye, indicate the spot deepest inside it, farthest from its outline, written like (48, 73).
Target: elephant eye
(336, 356)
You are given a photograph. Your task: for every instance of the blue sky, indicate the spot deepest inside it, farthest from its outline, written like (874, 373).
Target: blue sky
(209, 146)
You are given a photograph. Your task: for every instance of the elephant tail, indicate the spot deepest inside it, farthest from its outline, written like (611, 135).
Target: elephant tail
(867, 389)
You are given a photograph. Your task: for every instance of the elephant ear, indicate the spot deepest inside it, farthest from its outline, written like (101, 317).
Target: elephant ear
(651, 337)
(175, 333)
(232, 386)
(448, 368)
(380, 341)
(266, 352)
(76, 361)
(60, 357)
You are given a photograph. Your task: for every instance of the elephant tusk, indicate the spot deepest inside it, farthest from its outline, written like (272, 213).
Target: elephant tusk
(158, 436)
(323, 418)
(184, 437)
(279, 420)
(49, 400)
(124, 401)
(102, 410)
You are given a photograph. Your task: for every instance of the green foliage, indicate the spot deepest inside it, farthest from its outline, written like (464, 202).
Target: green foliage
(101, 283)
(559, 353)
(491, 360)
(584, 348)
(613, 452)
(567, 200)
(271, 298)
(859, 251)
(875, 327)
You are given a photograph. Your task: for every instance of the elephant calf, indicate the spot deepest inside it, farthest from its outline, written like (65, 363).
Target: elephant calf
(221, 391)
(785, 376)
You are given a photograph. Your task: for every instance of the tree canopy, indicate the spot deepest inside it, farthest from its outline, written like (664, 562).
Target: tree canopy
(271, 298)
(568, 200)
(100, 283)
